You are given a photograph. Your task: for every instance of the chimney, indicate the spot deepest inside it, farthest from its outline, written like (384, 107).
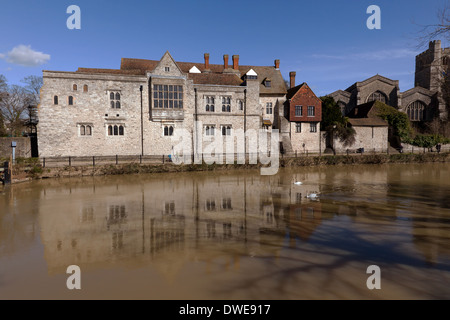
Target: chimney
(207, 61)
(292, 78)
(225, 61)
(235, 62)
(277, 64)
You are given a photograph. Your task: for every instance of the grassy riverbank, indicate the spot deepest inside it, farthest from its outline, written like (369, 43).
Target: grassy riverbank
(27, 169)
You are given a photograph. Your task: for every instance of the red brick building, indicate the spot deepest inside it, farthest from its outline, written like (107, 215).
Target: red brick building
(303, 112)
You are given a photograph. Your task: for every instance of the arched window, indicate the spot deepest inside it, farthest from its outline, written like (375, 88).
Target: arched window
(120, 130)
(226, 104)
(88, 130)
(170, 131)
(82, 130)
(117, 96)
(75, 87)
(416, 111)
(241, 105)
(110, 131)
(224, 130)
(117, 104)
(85, 88)
(55, 100)
(112, 103)
(70, 100)
(378, 96)
(166, 131)
(116, 130)
(111, 96)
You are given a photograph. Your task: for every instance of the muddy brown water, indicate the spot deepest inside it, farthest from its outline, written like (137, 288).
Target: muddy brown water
(231, 235)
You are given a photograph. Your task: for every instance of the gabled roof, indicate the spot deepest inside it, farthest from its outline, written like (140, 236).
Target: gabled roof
(367, 115)
(418, 90)
(376, 77)
(293, 91)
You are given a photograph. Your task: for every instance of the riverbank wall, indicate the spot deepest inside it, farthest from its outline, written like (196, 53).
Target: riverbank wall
(32, 169)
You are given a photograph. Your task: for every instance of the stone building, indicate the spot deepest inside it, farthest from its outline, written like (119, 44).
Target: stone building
(422, 103)
(371, 132)
(138, 108)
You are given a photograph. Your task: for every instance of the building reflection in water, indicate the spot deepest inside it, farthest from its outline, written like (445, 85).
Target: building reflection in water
(168, 220)
(206, 217)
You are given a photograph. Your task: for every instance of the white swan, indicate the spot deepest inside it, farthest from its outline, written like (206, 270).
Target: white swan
(298, 182)
(312, 196)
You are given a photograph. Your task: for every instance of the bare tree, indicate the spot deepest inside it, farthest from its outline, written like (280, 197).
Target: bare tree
(33, 86)
(441, 29)
(13, 107)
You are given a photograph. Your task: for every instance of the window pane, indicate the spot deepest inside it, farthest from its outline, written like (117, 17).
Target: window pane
(155, 87)
(170, 131)
(110, 132)
(170, 88)
(112, 104)
(166, 88)
(166, 131)
(180, 104)
(166, 104)
(118, 104)
(175, 104)
(82, 130)
(111, 96)
(117, 96)
(155, 94)
(88, 130)
(121, 131)
(55, 99)
(116, 129)
(180, 89)
(170, 103)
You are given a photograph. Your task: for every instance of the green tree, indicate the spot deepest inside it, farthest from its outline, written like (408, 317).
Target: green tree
(334, 123)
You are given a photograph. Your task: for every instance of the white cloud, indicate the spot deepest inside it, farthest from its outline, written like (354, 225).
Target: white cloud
(25, 56)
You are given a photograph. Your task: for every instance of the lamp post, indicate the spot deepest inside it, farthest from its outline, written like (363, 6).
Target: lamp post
(142, 123)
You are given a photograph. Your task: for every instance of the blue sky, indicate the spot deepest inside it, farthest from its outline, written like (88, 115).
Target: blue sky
(326, 42)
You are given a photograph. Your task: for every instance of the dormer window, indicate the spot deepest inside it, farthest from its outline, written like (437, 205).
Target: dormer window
(251, 75)
(267, 83)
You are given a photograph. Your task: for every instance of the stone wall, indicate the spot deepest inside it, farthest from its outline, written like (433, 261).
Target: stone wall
(23, 148)
(372, 139)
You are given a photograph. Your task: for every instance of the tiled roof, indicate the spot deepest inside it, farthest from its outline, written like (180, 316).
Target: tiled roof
(215, 78)
(367, 122)
(366, 115)
(292, 91)
(215, 74)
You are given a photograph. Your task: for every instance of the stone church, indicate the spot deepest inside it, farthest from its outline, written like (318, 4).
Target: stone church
(422, 103)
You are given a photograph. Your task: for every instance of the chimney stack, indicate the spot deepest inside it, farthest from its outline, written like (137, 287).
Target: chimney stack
(207, 61)
(292, 78)
(235, 62)
(277, 64)
(225, 61)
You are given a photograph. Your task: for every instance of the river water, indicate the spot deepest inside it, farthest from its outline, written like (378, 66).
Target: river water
(231, 235)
